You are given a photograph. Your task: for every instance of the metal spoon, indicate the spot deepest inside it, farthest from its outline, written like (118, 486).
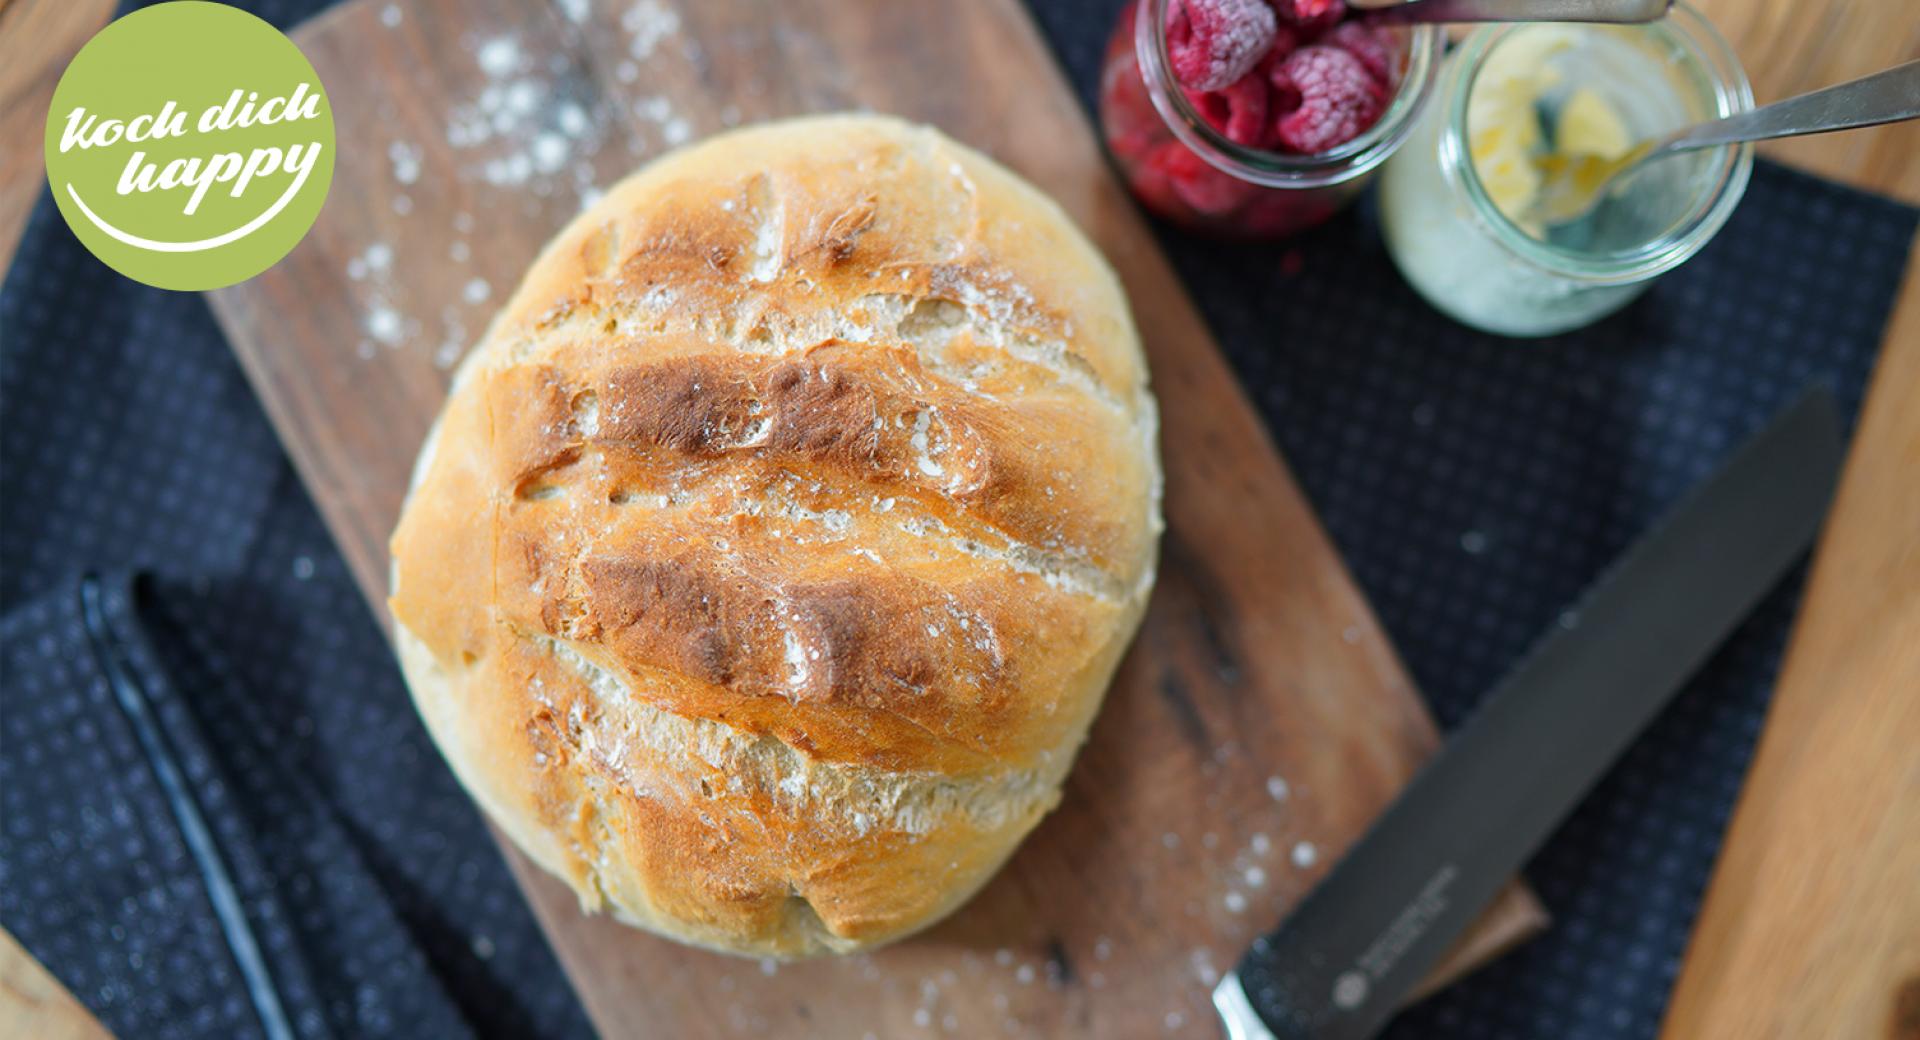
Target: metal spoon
(1409, 12)
(1571, 185)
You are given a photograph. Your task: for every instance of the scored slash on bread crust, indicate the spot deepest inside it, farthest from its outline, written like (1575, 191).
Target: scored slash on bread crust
(777, 544)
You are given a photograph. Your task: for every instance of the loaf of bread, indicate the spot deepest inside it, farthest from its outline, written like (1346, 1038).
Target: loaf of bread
(776, 546)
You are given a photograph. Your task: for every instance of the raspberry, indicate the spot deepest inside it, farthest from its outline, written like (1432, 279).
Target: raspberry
(1202, 188)
(1357, 39)
(1338, 98)
(1154, 188)
(1212, 43)
(1239, 111)
(1282, 97)
(1317, 13)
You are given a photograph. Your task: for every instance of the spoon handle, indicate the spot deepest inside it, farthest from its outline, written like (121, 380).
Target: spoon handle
(1884, 97)
(1619, 12)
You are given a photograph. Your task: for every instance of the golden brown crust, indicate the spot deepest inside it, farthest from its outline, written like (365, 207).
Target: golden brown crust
(776, 546)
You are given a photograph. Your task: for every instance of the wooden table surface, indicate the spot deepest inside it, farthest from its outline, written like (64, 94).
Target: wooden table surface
(1812, 924)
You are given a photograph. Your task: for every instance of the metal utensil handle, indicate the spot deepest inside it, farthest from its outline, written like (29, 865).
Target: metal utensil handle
(1616, 12)
(1884, 97)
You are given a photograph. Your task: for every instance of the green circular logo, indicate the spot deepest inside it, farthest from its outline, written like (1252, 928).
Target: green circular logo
(189, 145)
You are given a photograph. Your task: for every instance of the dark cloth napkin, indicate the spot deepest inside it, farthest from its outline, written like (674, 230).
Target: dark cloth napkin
(219, 816)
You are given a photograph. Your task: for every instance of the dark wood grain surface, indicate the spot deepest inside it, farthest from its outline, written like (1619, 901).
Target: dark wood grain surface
(1259, 664)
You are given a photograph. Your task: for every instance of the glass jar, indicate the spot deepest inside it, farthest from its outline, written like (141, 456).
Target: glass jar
(1468, 258)
(1183, 169)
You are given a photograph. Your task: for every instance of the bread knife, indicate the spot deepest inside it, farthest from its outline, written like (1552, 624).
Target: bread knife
(1339, 966)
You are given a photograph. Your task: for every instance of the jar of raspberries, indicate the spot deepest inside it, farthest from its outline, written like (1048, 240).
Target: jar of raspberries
(1258, 118)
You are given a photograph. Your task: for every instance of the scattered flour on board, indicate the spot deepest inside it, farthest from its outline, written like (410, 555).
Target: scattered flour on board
(576, 10)
(406, 161)
(524, 125)
(647, 23)
(384, 325)
(1201, 961)
(656, 109)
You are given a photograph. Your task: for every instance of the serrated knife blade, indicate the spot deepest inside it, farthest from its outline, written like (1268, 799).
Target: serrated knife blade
(1339, 966)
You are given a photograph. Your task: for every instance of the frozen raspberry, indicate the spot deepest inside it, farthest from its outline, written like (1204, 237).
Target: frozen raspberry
(1239, 111)
(1317, 13)
(1200, 187)
(1338, 98)
(1215, 42)
(1361, 41)
(1154, 188)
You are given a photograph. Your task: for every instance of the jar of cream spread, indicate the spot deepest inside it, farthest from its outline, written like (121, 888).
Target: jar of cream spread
(1454, 202)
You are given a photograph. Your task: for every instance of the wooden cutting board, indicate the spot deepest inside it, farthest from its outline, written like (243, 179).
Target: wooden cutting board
(1261, 719)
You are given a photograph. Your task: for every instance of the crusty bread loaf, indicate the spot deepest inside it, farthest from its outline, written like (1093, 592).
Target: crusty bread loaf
(776, 546)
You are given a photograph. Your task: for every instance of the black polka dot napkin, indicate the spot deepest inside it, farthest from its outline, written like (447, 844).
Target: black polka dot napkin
(219, 817)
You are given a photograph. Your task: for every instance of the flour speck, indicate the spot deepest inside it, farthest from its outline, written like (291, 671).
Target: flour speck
(390, 16)
(1277, 788)
(385, 324)
(499, 56)
(1304, 854)
(549, 152)
(476, 291)
(406, 161)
